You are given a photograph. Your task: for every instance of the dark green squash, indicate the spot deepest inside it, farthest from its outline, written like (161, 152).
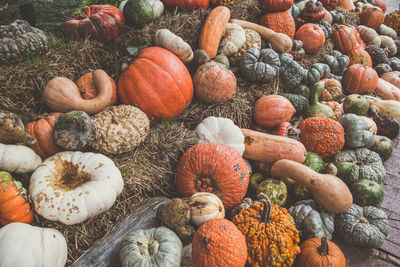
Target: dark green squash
(377, 54)
(299, 102)
(317, 72)
(311, 220)
(356, 131)
(138, 13)
(337, 62)
(301, 192)
(317, 109)
(326, 28)
(337, 17)
(360, 163)
(363, 226)
(74, 130)
(260, 66)
(394, 63)
(303, 90)
(356, 104)
(291, 73)
(382, 69)
(383, 146)
(367, 193)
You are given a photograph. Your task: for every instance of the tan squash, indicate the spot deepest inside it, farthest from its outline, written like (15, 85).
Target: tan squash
(212, 30)
(270, 148)
(385, 107)
(280, 42)
(369, 35)
(393, 77)
(329, 191)
(165, 38)
(388, 45)
(62, 95)
(387, 91)
(347, 4)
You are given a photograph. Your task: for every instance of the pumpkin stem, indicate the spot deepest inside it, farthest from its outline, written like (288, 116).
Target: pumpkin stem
(323, 250)
(363, 220)
(83, 91)
(80, 15)
(267, 207)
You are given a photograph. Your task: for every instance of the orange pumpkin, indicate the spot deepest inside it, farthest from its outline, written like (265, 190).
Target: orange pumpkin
(212, 30)
(320, 252)
(312, 36)
(344, 38)
(218, 242)
(372, 17)
(43, 130)
(333, 90)
(158, 83)
(360, 79)
(13, 201)
(282, 22)
(276, 5)
(271, 110)
(360, 56)
(89, 91)
(393, 77)
(213, 168)
(214, 83)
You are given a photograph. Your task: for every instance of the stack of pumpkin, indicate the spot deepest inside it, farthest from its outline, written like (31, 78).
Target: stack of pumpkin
(328, 158)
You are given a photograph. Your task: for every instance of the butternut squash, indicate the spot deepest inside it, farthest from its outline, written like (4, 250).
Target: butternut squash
(385, 107)
(212, 30)
(62, 95)
(165, 38)
(329, 191)
(280, 42)
(387, 91)
(270, 148)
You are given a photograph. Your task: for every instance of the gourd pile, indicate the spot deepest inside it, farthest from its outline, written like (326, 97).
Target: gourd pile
(274, 195)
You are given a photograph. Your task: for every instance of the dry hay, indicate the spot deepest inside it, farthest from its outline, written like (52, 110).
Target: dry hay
(249, 10)
(309, 59)
(351, 18)
(148, 171)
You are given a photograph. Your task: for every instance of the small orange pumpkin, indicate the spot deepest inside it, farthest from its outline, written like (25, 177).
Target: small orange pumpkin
(218, 242)
(320, 252)
(360, 79)
(13, 201)
(271, 110)
(312, 36)
(282, 22)
(372, 17)
(344, 38)
(43, 130)
(89, 91)
(360, 56)
(333, 90)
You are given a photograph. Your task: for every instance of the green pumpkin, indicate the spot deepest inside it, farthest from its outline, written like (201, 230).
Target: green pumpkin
(74, 130)
(383, 146)
(303, 90)
(360, 163)
(367, 193)
(301, 192)
(356, 131)
(356, 104)
(260, 66)
(311, 220)
(317, 109)
(337, 17)
(255, 180)
(275, 190)
(299, 102)
(363, 226)
(155, 247)
(138, 13)
(314, 161)
(317, 72)
(337, 62)
(290, 72)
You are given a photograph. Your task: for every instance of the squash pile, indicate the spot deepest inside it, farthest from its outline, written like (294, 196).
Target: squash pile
(318, 147)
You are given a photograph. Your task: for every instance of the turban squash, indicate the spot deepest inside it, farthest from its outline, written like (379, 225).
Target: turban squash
(213, 168)
(158, 83)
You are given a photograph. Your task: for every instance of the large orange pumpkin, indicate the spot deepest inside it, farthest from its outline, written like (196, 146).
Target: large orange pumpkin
(271, 110)
(372, 17)
(344, 38)
(213, 168)
(43, 130)
(282, 22)
(359, 56)
(360, 79)
(312, 36)
(218, 242)
(320, 252)
(89, 91)
(13, 201)
(158, 83)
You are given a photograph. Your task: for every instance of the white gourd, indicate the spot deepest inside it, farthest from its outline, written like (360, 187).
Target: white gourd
(385, 107)
(369, 35)
(24, 245)
(221, 131)
(205, 206)
(18, 159)
(385, 30)
(168, 40)
(233, 39)
(388, 45)
(72, 187)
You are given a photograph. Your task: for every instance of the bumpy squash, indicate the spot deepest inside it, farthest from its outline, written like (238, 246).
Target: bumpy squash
(281, 22)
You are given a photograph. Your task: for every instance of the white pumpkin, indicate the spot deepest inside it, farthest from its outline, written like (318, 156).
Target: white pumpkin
(221, 131)
(168, 40)
(233, 39)
(18, 159)
(71, 187)
(205, 206)
(24, 245)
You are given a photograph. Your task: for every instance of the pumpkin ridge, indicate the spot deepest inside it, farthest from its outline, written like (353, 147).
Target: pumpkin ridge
(42, 151)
